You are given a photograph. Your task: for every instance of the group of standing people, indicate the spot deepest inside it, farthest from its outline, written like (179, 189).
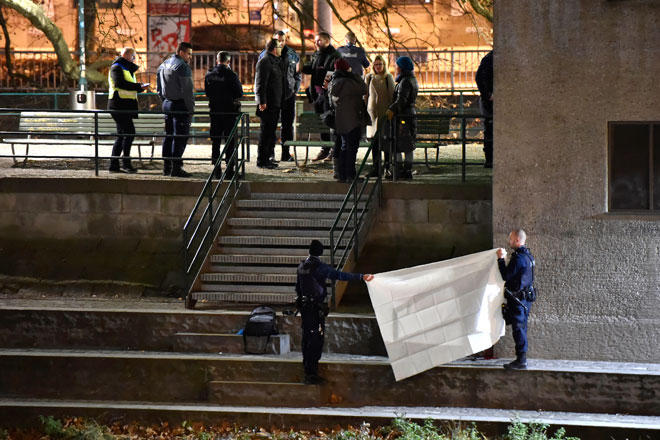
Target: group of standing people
(337, 83)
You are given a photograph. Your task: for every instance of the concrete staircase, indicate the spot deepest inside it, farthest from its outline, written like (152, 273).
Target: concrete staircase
(156, 363)
(262, 241)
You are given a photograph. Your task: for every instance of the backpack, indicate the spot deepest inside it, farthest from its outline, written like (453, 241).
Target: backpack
(259, 327)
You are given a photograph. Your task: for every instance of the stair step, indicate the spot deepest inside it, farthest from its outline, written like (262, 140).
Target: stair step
(21, 411)
(282, 222)
(260, 278)
(263, 393)
(328, 215)
(290, 204)
(252, 269)
(297, 196)
(266, 252)
(253, 288)
(272, 241)
(225, 343)
(318, 234)
(291, 260)
(253, 296)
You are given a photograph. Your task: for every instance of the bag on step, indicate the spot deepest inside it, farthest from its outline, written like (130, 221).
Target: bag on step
(259, 327)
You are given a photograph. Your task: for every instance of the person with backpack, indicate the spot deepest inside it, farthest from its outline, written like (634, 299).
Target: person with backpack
(311, 300)
(519, 292)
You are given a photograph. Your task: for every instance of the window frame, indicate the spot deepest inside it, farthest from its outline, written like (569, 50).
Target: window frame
(610, 154)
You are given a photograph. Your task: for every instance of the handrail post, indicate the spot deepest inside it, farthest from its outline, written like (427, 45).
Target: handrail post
(453, 72)
(332, 264)
(96, 144)
(355, 219)
(463, 140)
(211, 209)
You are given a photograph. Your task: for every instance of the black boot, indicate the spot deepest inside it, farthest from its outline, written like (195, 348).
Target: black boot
(167, 167)
(519, 364)
(177, 169)
(128, 166)
(407, 171)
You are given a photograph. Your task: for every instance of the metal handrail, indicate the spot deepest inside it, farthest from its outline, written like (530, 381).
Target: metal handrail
(205, 224)
(95, 135)
(444, 114)
(354, 196)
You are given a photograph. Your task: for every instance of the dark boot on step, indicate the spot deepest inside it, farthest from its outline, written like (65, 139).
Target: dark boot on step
(519, 364)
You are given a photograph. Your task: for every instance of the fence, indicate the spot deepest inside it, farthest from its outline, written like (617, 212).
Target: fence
(450, 70)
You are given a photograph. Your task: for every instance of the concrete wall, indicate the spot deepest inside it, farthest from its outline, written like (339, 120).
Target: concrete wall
(126, 231)
(562, 71)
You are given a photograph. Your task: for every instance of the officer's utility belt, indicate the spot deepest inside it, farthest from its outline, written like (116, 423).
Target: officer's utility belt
(527, 294)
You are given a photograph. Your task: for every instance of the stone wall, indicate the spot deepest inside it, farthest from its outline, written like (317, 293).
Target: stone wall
(562, 71)
(122, 231)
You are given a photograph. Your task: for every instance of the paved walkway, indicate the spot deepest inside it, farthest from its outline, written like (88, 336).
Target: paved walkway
(314, 171)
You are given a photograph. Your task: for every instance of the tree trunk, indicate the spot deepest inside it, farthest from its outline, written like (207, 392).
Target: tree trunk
(39, 20)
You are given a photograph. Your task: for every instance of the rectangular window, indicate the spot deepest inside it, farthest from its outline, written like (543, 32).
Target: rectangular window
(110, 4)
(634, 166)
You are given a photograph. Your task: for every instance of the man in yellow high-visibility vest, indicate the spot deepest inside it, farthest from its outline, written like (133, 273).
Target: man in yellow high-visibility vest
(122, 96)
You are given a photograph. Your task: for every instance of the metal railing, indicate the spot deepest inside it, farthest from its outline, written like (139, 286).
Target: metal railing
(213, 205)
(91, 134)
(462, 138)
(435, 69)
(358, 204)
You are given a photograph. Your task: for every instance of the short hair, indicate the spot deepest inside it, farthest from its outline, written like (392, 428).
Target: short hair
(223, 57)
(521, 235)
(126, 50)
(279, 34)
(184, 46)
(271, 45)
(316, 248)
(324, 35)
(350, 36)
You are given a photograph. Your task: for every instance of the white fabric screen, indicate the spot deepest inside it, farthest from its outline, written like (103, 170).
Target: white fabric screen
(433, 314)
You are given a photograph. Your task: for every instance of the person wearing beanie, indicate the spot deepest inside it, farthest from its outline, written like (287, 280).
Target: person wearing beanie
(405, 95)
(346, 91)
(312, 302)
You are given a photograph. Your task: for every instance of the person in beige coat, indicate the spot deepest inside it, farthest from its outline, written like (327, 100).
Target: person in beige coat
(380, 90)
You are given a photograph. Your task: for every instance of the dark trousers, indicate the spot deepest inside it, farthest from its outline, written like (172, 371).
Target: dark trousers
(350, 142)
(313, 327)
(376, 153)
(125, 128)
(488, 140)
(221, 126)
(175, 124)
(287, 117)
(518, 317)
(267, 135)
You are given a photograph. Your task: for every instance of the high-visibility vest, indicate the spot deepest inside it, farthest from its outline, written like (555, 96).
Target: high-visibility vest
(123, 94)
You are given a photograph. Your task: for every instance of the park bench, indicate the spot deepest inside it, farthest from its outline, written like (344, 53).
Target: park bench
(61, 128)
(432, 133)
(310, 125)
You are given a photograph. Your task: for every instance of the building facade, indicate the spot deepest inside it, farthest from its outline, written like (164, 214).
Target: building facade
(577, 154)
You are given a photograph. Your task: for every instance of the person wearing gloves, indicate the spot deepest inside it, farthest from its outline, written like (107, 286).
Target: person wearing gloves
(312, 302)
(405, 95)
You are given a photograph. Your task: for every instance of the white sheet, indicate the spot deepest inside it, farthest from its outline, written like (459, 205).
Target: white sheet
(433, 314)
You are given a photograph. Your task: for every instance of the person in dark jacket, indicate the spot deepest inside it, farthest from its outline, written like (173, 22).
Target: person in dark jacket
(355, 55)
(346, 91)
(292, 80)
(176, 90)
(269, 94)
(405, 95)
(323, 61)
(223, 89)
(311, 300)
(122, 95)
(518, 278)
(484, 79)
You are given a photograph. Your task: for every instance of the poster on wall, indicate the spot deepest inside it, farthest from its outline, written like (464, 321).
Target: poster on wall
(168, 24)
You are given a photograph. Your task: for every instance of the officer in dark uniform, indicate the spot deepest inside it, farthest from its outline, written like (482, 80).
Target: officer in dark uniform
(311, 301)
(519, 293)
(224, 89)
